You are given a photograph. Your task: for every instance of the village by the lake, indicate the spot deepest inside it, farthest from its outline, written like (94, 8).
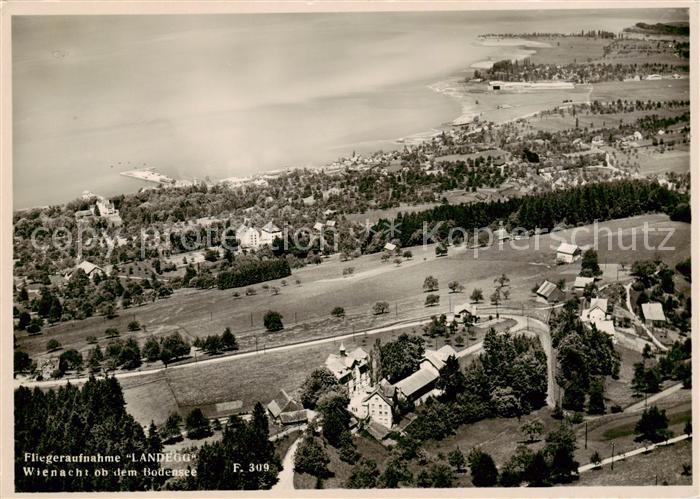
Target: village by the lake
(503, 301)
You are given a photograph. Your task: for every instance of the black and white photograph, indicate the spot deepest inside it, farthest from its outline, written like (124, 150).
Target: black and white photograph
(288, 248)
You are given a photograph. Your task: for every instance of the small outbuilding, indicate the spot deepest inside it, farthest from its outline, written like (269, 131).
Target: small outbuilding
(653, 314)
(581, 282)
(548, 292)
(568, 253)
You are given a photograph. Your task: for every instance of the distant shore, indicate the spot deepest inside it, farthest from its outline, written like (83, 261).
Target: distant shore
(456, 87)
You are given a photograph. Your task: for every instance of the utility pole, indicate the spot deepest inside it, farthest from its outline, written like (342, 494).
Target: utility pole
(396, 309)
(251, 320)
(612, 457)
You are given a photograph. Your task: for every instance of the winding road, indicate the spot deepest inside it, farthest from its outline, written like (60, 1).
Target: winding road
(286, 476)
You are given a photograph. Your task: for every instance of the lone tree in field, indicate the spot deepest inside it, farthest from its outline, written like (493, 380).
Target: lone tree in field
(502, 281)
(171, 429)
(52, 345)
(532, 429)
(652, 426)
(134, 326)
(496, 297)
(456, 460)
(432, 300)
(381, 307)
(338, 312)
(477, 295)
(430, 284)
(151, 349)
(589, 263)
(273, 321)
(407, 254)
(483, 469)
(197, 425)
(228, 340)
(455, 287)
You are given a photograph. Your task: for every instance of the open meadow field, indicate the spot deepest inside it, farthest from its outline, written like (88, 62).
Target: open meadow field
(259, 377)
(654, 90)
(508, 105)
(198, 313)
(556, 122)
(568, 49)
(652, 162)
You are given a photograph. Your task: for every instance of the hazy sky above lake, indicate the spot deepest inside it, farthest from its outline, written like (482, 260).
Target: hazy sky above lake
(233, 95)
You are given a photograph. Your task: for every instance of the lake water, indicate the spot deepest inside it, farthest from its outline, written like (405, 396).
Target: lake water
(234, 95)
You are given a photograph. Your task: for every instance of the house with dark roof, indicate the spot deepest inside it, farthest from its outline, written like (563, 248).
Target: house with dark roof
(548, 292)
(350, 368)
(282, 407)
(294, 417)
(581, 282)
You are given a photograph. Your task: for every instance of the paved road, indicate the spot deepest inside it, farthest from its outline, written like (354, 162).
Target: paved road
(292, 429)
(650, 400)
(227, 358)
(620, 457)
(286, 476)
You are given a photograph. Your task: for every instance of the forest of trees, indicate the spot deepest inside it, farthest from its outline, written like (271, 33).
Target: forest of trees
(576, 206)
(253, 273)
(508, 379)
(244, 458)
(90, 420)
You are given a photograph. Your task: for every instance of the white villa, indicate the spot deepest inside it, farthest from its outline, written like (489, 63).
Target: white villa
(102, 208)
(250, 237)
